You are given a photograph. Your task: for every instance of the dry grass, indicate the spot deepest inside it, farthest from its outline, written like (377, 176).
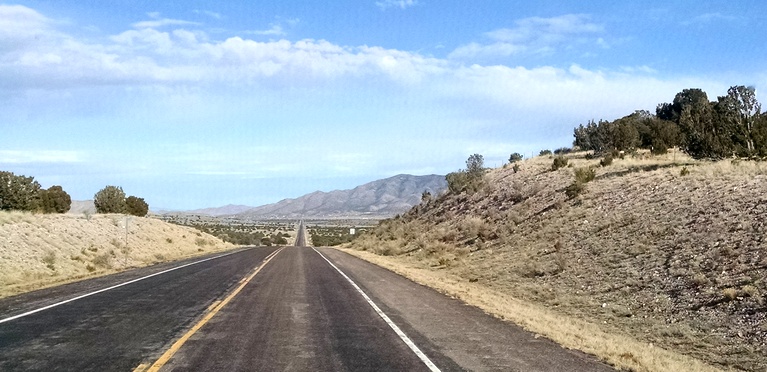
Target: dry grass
(643, 252)
(43, 250)
(620, 351)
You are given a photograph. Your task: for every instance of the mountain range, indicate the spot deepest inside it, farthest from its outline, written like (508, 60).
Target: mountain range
(382, 198)
(377, 199)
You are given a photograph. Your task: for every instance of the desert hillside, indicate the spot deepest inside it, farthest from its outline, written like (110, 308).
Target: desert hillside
(40, 250)
(662, 252)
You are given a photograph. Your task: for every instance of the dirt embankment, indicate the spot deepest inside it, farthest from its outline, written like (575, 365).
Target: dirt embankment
(658, 256)
(43, 250)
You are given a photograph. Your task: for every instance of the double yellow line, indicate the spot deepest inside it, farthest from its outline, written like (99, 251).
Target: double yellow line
(165, 357)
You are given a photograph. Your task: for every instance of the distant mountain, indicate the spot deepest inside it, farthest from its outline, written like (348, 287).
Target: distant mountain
(226, 210)
(382, 198)
(82, 206)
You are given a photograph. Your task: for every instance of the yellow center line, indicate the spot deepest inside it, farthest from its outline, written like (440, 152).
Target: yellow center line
(165, 357)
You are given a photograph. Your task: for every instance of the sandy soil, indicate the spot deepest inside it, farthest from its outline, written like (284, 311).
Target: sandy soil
(43, 250)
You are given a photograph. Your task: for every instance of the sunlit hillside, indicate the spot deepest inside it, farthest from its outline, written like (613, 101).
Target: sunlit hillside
(655, 253)
(40, 250)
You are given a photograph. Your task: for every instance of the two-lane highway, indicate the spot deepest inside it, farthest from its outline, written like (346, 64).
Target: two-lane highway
(286, 309)
(298, 314)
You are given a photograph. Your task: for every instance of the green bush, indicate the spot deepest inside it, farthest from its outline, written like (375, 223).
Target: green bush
(470, 180)
(544, 152)
(110, 199)
(559, 162)
(584, 175)
(18, 192)
(515, 157)
(55, 200)
(136, 206)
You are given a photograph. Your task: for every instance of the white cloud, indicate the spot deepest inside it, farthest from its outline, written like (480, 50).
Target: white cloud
(152, 57)
(708, 18)
(209, 14)
(39, 156)
(20, 22)
(274, 30)
(402, 4)
(158, 22)
(533, 35)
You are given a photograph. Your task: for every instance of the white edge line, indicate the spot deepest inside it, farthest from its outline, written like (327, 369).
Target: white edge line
(110, 288)
(425, 359)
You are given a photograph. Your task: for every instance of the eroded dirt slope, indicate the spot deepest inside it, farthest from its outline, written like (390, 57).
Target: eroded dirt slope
(678, 261)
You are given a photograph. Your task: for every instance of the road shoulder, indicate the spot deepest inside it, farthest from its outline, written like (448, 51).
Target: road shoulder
(465, 334)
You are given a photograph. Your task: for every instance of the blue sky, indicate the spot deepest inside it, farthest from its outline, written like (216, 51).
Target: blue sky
(203, 103)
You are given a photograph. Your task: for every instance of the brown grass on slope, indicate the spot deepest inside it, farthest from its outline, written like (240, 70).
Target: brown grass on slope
(43, 250)
(644, 252)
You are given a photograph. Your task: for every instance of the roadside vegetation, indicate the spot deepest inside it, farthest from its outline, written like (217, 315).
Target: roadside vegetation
(329, 236)
(21, 193)
(240, 232)
(644, 244)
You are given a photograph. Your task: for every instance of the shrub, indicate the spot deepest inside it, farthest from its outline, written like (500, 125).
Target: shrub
(659, 148)
(18, 192)
(55, 200)
(544, 152)
(110, 199)
(615, 153)
(586, 174)
(475, 164)
(574, 189)
(515, 157)
(461, 181)
(49, 260)
(136, 206)
(606, 161)
(515, 168)
(730, 294)
(103, 260)
(582, 176)
(684, 171)
(559, 162)
(563, 151)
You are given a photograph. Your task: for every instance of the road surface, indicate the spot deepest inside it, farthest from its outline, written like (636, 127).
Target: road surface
(283, 309)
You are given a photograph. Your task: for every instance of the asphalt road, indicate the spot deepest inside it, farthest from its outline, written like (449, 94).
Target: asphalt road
(116, 330)
(286, 309)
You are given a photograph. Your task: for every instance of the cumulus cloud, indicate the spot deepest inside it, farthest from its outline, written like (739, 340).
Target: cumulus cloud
(533, 35)
(210, 14)
(156, 57)
(402, 4)
(157, 22)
